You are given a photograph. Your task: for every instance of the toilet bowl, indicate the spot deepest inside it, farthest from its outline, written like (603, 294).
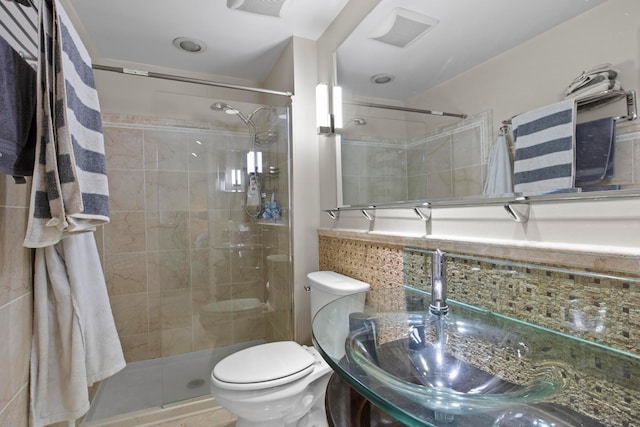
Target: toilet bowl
(282, 384)
(292, 388)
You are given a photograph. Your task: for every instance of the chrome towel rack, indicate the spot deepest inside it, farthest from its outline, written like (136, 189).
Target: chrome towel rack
(600, 99)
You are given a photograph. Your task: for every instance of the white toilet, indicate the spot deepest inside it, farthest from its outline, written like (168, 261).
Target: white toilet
(282, 384)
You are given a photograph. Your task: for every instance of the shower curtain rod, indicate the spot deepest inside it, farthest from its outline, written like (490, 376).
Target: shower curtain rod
(407, 109)
(188, 80)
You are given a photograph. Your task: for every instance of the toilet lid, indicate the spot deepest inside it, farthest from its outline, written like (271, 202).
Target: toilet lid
(265, 365)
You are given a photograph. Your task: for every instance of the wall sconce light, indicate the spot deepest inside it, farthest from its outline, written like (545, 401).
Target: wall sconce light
(328, 121)
(323, 118)
(337, 107)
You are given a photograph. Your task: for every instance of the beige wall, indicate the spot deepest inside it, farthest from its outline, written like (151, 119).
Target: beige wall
(537, 72)
(517, 81)
(305, 181)
(16, 307)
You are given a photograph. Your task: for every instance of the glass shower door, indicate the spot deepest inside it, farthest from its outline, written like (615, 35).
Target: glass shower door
(220, 259)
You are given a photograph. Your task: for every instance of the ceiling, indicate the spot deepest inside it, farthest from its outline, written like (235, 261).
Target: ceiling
(245, 45)
(469, 32)
(239, 44)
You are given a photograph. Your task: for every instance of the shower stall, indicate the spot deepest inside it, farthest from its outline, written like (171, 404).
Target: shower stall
(197, 253)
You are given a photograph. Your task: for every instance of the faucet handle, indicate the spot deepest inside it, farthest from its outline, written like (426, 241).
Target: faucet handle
(438, 265)
(438, 284)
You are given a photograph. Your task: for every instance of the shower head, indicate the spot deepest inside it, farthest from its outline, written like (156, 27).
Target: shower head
(228, 109)
(260, 136)
(221, 106)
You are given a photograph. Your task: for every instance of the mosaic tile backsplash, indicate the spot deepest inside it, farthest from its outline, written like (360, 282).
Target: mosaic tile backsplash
(595, 307)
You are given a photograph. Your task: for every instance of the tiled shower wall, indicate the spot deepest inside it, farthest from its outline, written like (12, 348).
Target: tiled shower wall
(177, 241)
(443, 163)
(16, 308)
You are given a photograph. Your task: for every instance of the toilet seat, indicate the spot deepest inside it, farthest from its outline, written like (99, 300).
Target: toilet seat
(263, 366)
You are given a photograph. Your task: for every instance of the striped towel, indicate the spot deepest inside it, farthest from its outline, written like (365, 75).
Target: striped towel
(70, 191)
(545, 148)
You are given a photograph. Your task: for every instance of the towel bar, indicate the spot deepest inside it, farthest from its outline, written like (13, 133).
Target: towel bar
(601, 99)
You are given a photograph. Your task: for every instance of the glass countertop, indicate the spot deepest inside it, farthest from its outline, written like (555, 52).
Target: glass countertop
(470, 367)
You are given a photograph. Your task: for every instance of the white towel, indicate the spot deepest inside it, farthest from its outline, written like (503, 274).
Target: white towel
(591, 79)
(499, 172)
(595, 88)
(70, 190)
(596, 69)
(75, 342)
(545, 148)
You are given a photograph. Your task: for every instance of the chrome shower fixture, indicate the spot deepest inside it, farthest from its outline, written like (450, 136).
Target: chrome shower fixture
(259, 136)
(226, 108)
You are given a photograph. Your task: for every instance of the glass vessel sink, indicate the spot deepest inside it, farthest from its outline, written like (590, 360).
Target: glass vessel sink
(468, 367)
(434, 362)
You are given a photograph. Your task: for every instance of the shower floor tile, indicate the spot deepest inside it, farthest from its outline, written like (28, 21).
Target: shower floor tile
(158, 382)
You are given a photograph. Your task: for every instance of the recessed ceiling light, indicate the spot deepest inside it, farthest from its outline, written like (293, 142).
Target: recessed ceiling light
(381, 79)
(189, 44)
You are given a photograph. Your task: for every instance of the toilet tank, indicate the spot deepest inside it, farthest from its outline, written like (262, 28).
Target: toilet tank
(325, 287)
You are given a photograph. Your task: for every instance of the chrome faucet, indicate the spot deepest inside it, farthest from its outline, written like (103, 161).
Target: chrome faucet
(438, 304)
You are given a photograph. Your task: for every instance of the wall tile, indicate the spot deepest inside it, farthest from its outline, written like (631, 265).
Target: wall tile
(123, 148)
(175, 309)
(17, 413)
(12, 194)
(466, 148)
(15, 275)
(167, 231)
(468, 181)
(126, 190)
(131, 313)
(165, 150)
(126, 273)
(176, 341)
(7, 392)
(166, 191)
(135, 347)
(21, 321)
(168, 270)
(125, 233)
(439, 154)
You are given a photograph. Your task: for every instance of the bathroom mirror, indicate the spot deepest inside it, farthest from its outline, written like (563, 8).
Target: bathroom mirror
(427, 86)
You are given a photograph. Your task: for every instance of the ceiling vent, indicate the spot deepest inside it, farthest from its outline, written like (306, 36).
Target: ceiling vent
(261, 7)
(403, 27)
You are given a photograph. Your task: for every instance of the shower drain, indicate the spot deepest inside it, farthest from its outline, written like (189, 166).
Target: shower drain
(198, 382)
